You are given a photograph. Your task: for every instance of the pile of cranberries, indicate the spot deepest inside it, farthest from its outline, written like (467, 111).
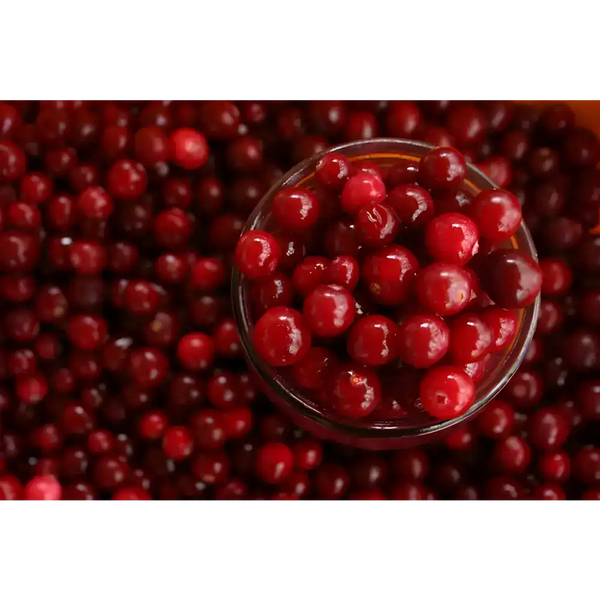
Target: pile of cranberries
(121, 371)
(442, 315)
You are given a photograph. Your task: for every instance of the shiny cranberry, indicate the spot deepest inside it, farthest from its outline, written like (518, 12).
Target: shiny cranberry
(274, 462)
(581, 350)
(556, 276)
(403, 119)
(148, 367)
(190, 149)
(177, 443)
(361, 126)
(389, 274)
(257, 254)
(87, 332)
(372, 340)
(19, 251)
(447, 392)
(12, 161)
(503, 325)
(43, 487)
(443, 288)
(442, 168)
(376, 226)
(356, 391)
(547, 198)
(511, 278)
(407, 490)
(471, 338)
(329, 310)
(497, 214)
(308, 454)
(422, 340)
(512, 455)
(281, 336)
(332, 171)
(296, 209)
(452, 238)
(109, 472)
(331, 482)
(525, 389)
(126, 180)
(412, 204)
(312, 371)
(309, 274)
(543, 162)
(219, 119)
(362, 190)
(466, 124)
(555, 466)
(87, 258)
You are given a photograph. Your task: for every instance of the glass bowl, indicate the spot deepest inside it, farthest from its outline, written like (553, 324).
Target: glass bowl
(299, 404)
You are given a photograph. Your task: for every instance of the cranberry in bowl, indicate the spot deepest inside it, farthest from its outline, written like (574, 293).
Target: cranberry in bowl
(385, 291)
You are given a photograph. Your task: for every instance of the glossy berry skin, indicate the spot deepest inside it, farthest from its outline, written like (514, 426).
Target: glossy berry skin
(126, 180)
(195, 351)
(87, 332)
(497, 214)
(372, 340)
(443, 288)
(412, 204)
(512, 455)
(148, 367)
(95, 203)
(447, 392)
(422, 340)
(257, 254)
(43, 487)
(471, 338)
(441, 169)
(362, 190)
(376, 226)
(270, 291)
(452, 238)
(511, 278)
(503, 324)
(548, 429)
(296, 209)
(332, 171)
(309, 274)
(178, 443)
(274, 462)
(356, 392)
(344, 271)
(389, 274)
(281, 336)
(329, 310)
(190, 149)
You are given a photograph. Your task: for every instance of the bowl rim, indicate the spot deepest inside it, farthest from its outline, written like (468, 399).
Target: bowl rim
(294, 399)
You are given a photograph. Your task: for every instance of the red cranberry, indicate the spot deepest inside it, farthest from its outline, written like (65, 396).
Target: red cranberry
(422, 340)
(332, 171)
(362, 190)
(281, 336)
(329, 310)
(503, 325)
(447, 392)
(356, 392)
(361, 126)
(126, 180)
(190, 149)
(177, 443)
(413, 205)
(43, 487)
(372, 341)
(148, 367)
(470, 338)
(274, 462)
(389, 274)
(525, 388)
(586, 465)
(442, 168)
(452, 238)
(331, 482)
(257, 254)
(497, 214)
(555, 466)
(511, 278)
(219, 119)
(403, 119)
(443, 288)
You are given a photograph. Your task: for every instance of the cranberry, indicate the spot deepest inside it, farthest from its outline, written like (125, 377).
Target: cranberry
(525, 388)
(43, 487)
(19, 251)
(403, 119)
(389, 274)
(308, 454)
(586, 465)
(274, 462)
(452, 238)
(331, 482)
(413, 205)
(470, 338)
(329, 310)
(126, 180)
(295, 209)
(356, 391)
(362, 190)
(555, 466)
(442, 168)
(332, 171)
(511, 278)
(372, 341)
(219, 119)
(361, 126)
(581, 148)
(257, 254)
(497, 214)
(422, 340)
(447, 392)
(503, 325)
(466, 124)
(443, 288)
(190, 149)
(177, 443)
(148, 367)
